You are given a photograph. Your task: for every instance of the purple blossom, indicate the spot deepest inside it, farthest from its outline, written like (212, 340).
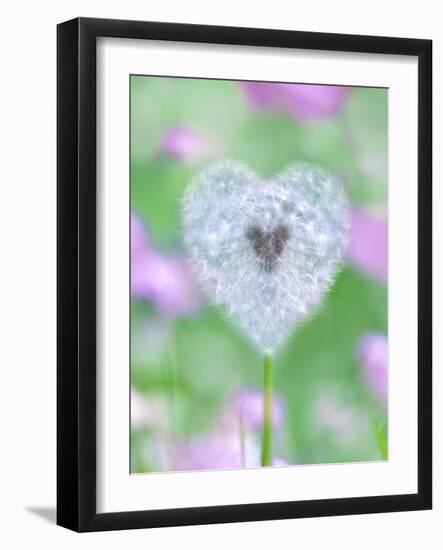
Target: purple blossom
(161, 279)
(301, 101)
(235, 440)
(373, 353)
(139, 237)
(279, 461)
(221, 451)
(247, 407)
(368, 248)
(186, 144)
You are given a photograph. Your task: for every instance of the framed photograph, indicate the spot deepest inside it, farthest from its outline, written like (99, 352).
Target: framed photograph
(244, 274)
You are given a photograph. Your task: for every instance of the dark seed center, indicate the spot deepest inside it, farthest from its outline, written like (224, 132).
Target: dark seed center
(268, 245)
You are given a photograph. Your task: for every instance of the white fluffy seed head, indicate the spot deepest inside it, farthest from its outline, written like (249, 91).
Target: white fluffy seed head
(265, 250)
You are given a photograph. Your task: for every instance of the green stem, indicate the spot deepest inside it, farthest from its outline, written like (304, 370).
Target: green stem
(380, 430)
(266, 455)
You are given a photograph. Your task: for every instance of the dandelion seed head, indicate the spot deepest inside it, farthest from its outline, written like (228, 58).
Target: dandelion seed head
(265, 250)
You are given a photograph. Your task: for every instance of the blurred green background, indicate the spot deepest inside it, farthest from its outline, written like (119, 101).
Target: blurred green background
(185, 368)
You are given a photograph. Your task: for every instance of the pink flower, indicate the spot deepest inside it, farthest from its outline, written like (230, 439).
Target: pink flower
(301, 101)
(186, 144)
(368, 248)
(234, 442)
(139, 237)
(163, 280)
(247, 407)
(278, 461)
(373, 352)
(221, 451)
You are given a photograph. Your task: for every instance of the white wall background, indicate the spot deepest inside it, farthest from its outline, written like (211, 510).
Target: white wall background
(27, 275)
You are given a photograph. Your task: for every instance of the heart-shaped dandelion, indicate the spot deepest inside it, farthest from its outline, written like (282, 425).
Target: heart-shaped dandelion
(266, 251)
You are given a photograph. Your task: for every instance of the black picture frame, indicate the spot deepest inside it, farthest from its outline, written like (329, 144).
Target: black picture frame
(76, 268)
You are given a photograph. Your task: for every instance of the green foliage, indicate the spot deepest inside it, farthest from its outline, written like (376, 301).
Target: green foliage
(366, 120)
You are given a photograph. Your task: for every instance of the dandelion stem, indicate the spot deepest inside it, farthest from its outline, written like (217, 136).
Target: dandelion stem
(266, 455)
